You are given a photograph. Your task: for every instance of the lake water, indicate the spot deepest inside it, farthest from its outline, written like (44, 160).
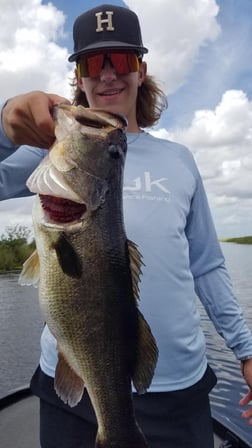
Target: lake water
(20, 328)
(21, 325)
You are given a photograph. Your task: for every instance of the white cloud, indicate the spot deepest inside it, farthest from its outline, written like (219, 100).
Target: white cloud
(228, 124)
(221, 141)
(30, 57)
(174, 32)
(15, 211)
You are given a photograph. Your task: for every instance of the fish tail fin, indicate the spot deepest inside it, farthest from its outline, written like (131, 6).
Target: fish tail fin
(134, 439)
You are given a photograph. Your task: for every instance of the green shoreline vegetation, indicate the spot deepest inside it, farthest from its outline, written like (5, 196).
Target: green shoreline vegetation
(15, 247)
(238, 240)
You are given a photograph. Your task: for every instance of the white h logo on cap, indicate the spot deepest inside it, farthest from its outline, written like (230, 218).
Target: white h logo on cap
(108, 20)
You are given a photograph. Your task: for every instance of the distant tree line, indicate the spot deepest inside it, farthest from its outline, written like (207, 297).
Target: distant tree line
(238, 240)
(16, 245)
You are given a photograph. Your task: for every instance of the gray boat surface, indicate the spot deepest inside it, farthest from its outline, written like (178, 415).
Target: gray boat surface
(19, 424)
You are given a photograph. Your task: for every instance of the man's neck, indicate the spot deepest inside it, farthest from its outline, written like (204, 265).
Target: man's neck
(133, 127)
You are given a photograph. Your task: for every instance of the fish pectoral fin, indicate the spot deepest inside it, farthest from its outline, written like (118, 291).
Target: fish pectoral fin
(136, 264)
(68, 258)
(147, 355)
(30, 274)
(68, 385)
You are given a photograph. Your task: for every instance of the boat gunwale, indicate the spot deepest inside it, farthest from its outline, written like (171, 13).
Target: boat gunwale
(220, 430)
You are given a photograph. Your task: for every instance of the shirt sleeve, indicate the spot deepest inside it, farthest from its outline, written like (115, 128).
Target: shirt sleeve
(212, 281)
(15, 170)
(216, 294)
(16, 165)
(6, 146)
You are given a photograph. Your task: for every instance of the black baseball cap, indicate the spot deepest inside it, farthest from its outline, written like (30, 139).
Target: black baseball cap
(106, 27)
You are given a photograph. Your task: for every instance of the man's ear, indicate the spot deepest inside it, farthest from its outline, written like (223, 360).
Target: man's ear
(142, 73)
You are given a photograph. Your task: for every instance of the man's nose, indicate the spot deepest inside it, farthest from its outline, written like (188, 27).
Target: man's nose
(108, 73)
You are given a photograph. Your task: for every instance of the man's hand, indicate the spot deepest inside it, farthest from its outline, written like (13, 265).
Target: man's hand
(246, 368)
(27, 119)
(245, 400)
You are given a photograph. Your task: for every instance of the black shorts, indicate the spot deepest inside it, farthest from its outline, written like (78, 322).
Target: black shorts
(180, 419)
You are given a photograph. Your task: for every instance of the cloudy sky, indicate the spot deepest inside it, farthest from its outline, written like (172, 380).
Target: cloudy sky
(201, 53)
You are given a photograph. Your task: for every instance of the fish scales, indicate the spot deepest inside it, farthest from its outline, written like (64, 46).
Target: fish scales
(88, 273)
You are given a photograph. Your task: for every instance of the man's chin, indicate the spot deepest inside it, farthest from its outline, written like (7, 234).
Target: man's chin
(112, 107)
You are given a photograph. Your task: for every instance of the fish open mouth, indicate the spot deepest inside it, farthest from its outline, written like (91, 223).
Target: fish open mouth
(61, 210)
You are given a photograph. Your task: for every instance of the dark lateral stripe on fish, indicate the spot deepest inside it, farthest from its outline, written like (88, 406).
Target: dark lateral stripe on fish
(67, 257)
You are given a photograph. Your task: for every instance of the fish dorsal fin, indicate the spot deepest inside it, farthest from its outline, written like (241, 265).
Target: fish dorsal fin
(135, 266)
(30, 274)
(147, 351)
(68, 385)
(68, 258)
(147, 355)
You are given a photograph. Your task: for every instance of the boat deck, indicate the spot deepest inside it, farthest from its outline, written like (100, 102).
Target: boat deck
(19, 423)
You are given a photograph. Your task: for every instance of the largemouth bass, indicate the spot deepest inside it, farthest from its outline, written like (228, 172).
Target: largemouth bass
(88, 272)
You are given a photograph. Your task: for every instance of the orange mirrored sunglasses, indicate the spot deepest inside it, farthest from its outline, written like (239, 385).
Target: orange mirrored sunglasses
(90, 66)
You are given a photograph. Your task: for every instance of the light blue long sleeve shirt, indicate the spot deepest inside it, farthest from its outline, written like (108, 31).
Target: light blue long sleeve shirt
(167, 214)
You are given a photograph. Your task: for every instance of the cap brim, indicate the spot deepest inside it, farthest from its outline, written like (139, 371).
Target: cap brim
(108, 45)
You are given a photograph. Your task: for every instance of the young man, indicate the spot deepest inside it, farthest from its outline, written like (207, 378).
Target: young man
(166, 213)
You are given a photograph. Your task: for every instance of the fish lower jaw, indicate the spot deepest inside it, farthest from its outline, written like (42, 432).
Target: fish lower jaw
(71, 226)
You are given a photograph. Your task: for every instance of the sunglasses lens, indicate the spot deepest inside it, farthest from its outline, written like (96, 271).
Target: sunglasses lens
(123, 63)
(90, 66)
